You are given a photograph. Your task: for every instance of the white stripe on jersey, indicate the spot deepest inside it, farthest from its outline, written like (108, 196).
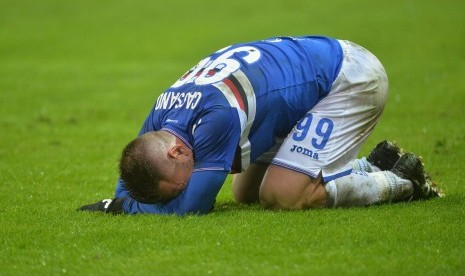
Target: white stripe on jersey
(252, 108)
(246, 121)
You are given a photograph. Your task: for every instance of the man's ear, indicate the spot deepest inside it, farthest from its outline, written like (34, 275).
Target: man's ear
(176, 151)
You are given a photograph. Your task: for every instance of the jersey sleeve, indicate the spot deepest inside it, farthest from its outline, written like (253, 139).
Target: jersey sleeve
(216, 137)
(149, 123)
(197, 198)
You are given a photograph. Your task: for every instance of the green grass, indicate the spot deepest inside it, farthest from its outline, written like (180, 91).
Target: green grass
(78, 77)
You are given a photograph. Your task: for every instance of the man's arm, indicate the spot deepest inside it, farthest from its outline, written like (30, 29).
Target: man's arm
(215, 141)
(120, 191)
(197, 198)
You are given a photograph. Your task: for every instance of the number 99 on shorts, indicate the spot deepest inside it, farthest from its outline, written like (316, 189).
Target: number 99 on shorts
(311, 134)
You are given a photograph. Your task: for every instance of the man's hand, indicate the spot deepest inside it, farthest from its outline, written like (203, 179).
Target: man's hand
(112, 206)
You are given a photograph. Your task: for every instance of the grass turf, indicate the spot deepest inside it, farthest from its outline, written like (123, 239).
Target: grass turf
(77, 79)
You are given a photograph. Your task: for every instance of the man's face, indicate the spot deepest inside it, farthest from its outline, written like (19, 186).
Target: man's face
(172, 187)
(168, 190)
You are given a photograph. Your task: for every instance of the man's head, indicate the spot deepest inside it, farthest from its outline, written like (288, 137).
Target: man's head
(156, 167)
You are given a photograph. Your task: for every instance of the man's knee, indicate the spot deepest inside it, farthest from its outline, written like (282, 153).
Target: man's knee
(245, 196)
(268, 198)
(245, 185)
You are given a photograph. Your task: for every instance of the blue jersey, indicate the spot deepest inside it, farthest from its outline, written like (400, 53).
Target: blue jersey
(232, 105)
(230, 108)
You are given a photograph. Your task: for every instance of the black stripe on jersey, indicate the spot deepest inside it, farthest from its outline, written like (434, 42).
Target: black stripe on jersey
(239, 87)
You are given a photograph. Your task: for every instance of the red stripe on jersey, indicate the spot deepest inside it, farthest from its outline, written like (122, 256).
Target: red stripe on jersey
(236, 93)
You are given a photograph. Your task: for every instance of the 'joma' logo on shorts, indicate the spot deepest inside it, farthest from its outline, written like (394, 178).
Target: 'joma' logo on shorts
(304, 151)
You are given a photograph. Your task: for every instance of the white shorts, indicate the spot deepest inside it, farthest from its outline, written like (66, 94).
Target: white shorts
(331, 134)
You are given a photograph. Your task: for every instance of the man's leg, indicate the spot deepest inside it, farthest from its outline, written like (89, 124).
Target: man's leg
(406, 180)
(246, 185)
(287, 189)
(382, 158)
(323, 143)
(361, 189)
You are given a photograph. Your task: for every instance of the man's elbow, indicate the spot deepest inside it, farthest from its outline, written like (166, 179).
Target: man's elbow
(194, 210)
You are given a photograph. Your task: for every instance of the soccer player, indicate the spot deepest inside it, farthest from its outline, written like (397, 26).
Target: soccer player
(289, 113)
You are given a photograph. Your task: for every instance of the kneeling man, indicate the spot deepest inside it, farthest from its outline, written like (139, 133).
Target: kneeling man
(289, 113)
